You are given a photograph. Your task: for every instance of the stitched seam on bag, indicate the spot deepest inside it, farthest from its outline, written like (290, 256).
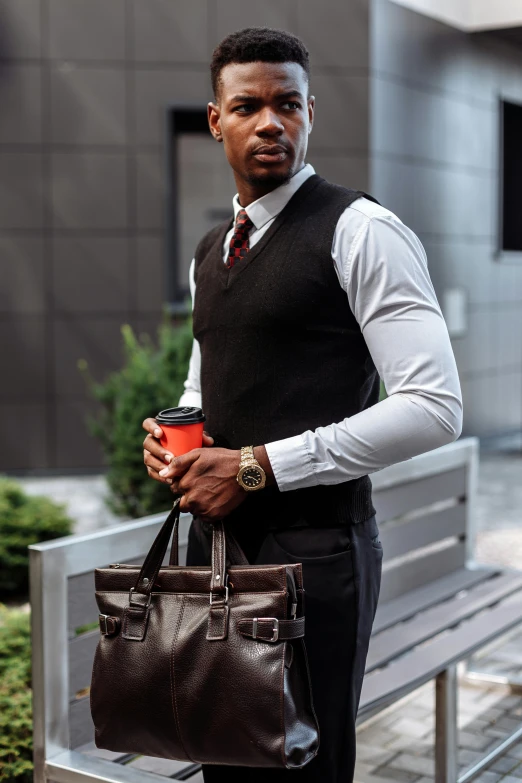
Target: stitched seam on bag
(282, 690)
(173, 678)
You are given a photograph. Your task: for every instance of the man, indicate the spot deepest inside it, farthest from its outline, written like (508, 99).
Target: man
(300, 302)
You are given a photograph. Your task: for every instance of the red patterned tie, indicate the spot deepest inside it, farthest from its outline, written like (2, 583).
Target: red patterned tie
(239, 245)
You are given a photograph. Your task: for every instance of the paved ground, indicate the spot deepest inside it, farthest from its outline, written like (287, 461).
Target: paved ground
(398, 745)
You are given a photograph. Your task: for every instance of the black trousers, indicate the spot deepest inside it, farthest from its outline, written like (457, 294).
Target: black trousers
(342, 577)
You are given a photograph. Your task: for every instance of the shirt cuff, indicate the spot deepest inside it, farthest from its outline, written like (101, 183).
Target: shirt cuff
(291, 463)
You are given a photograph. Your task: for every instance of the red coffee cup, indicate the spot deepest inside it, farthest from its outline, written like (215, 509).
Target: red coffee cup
(182, 429)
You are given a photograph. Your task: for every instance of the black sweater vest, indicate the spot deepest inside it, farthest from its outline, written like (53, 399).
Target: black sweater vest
(281, 351)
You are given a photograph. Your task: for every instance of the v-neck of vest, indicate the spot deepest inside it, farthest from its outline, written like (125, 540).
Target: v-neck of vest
(228, 276)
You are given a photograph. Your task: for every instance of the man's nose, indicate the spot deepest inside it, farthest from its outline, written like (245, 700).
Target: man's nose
(269, 122)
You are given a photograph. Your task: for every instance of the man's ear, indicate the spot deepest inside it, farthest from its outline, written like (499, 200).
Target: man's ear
(311, 112)
(214, 120)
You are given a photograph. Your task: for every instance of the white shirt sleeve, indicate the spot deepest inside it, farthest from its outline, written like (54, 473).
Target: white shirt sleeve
(382, 266)
(192, 394)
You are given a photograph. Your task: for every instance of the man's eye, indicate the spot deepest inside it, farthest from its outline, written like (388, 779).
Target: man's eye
(294, 103)
(245, 105)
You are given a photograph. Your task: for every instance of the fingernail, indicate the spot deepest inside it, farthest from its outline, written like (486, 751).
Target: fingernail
(164, 472)
(157, 433)
(168, 457)
(169, 481)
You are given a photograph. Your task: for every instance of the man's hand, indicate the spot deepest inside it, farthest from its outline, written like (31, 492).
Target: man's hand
(205, 477)
(154, 455)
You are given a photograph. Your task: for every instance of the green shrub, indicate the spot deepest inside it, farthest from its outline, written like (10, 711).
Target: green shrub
(150, 380)
(16, 729)
(24, 520)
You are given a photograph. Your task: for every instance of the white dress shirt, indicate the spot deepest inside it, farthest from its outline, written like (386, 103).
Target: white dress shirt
(382, 266)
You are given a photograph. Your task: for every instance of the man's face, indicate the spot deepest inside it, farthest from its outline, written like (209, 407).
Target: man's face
(263, 116)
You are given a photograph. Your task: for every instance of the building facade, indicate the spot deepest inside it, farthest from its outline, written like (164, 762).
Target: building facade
(107, 180)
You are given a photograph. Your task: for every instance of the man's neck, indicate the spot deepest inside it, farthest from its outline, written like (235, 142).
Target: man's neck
(248, 193)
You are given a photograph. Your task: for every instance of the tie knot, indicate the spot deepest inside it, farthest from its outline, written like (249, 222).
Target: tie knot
(243, 222)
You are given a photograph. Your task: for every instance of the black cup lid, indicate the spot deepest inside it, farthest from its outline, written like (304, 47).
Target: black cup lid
(181, 415)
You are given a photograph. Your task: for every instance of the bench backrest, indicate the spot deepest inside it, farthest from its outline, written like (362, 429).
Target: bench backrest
(425, 515)
(423, 511)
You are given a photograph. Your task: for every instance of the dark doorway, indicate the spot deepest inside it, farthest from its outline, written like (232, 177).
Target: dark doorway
(201, 191)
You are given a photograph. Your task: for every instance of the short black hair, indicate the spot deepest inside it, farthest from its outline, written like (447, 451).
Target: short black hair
(254, 44)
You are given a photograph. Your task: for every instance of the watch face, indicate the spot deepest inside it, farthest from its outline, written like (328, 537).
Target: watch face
(251, 477)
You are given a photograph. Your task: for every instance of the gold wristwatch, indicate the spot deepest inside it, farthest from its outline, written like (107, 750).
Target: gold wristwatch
(251, 475)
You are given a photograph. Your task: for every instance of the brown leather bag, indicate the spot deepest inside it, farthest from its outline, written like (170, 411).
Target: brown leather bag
(203, 663)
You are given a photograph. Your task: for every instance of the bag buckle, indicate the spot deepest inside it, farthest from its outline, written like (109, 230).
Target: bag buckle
(275, 629)
(220, 597)
(140, 605)
(104, 631)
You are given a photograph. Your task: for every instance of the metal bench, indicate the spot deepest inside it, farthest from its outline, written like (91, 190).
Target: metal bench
(436, 608)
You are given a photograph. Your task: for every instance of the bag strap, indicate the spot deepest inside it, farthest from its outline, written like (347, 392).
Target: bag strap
(234, 552)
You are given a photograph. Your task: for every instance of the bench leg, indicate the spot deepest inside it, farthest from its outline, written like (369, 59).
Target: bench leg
(446, 768)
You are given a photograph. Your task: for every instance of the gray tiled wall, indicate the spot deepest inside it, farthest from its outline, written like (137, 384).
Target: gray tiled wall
(405, 108)
(84, 85)
(434, 161)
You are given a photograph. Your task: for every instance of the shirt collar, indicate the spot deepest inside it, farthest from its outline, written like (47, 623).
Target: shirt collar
(268, 206)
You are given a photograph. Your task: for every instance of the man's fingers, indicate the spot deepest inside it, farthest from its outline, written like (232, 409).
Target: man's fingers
(151, 425)
(153, 462)
(151, 445)
(155, 475)
(179, 465)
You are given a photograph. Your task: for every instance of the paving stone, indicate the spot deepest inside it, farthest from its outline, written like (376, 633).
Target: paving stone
(487, 777)
(517, 772)
(374, 735)
(509, 724)
(515, 751)
(372, 778)
(401, 775)
(503, 764)
(468, 757)
(475, 741)
(492, 731)
(474, 725)
(404, 742)
(417, 711)
(493, 714)
(410, 763)
(373, 753)
(412, 728)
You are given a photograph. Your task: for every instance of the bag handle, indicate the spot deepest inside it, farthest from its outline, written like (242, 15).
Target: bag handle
(136, 613)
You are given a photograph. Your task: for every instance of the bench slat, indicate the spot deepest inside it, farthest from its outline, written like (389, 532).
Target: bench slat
(394, 641)
(81, 727)
(401, 538)
(399, 609)
(81, 657)
(416, 572)
(403, 498)
(403, 676)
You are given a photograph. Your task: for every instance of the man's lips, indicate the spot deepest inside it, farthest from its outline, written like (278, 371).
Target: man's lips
(271, 153)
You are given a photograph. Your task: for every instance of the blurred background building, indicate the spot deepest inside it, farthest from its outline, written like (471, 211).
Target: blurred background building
(109, 177)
